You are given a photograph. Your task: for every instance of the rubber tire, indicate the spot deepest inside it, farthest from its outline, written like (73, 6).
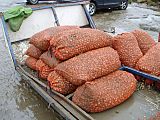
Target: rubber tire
(121, 7)
(93, 9)
(32, 2)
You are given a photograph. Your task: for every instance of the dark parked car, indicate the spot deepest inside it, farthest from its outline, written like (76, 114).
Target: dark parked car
(102, 4)
(94, 4)
(33, 2)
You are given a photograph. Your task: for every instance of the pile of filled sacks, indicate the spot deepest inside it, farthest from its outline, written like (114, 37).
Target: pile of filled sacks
(87, 61)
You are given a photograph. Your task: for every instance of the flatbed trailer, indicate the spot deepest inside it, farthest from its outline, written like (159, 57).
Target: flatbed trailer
(142, 104)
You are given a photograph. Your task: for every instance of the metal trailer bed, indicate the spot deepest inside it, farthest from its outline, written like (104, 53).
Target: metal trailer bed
(141, 105)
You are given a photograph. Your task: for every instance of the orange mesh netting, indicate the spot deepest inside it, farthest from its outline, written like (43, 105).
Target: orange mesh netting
(127, 48)
(150, 62)
(33, 52)
(89, 65)
(39, 65)
(31, 62)
(43, 69)
(105, 92)
(42, 39)
(78, 41)
(145, 41)
(44, 72)
(59, 84)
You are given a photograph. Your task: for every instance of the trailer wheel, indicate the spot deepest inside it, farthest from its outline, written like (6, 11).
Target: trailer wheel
(32, 2)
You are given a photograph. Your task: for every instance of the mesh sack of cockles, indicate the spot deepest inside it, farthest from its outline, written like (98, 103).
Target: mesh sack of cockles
(145, 41)
(31, 62)
(43, 69)
(42, 39)
(150, 62)
(75, 42)
(33, 51)
(105, 92)
(39, 65)
(89, 65)
(60, 84)
(127, 47)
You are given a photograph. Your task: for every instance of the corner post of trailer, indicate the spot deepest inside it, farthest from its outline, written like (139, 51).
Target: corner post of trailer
(91, 22)
(55, 16)
(53, 10)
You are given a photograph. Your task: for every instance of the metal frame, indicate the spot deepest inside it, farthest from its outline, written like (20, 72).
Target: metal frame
(53, 10)
(8, 41)
(142, 74)
(90, 20)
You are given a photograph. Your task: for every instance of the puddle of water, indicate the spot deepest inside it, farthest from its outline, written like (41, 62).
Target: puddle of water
(121, 20)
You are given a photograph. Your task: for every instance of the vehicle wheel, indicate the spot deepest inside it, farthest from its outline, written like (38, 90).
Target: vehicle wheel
(92, 8)
(33, 2)
(124, 5)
